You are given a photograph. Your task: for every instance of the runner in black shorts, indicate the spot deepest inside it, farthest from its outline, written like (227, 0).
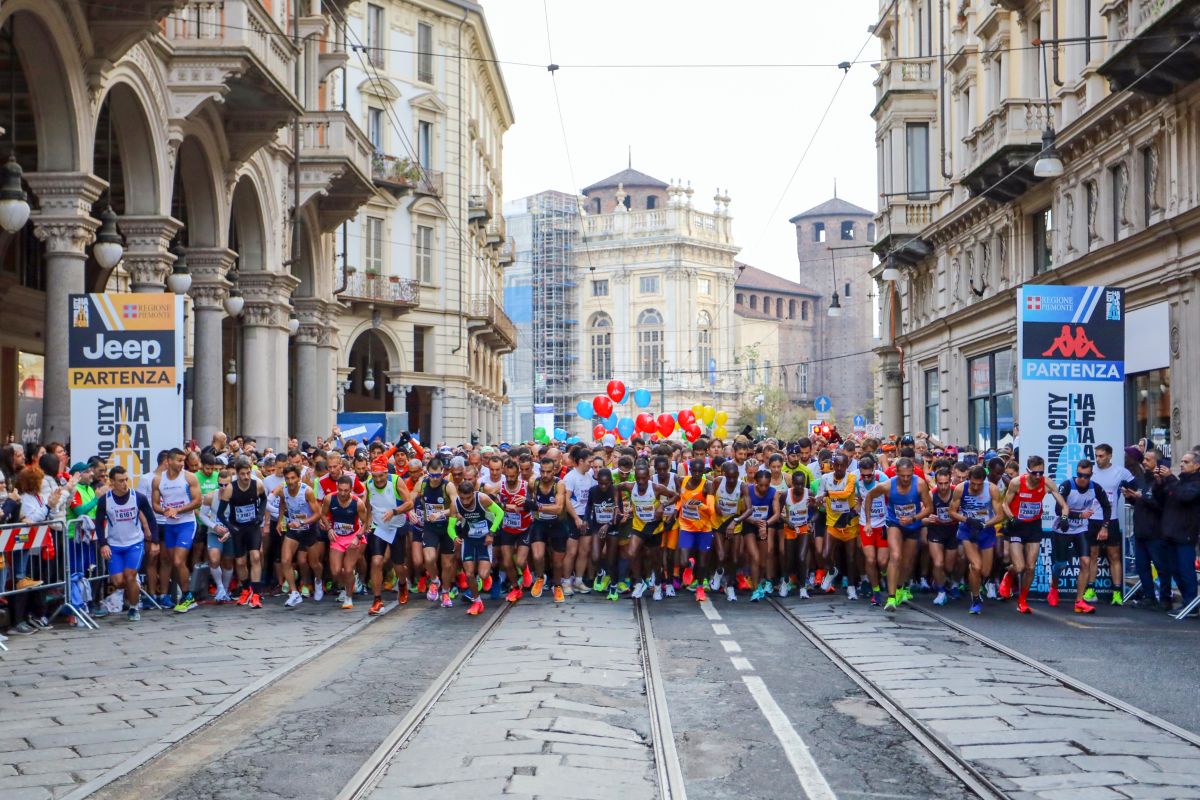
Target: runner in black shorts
(1023, 504)
(299, 512)
(550, 497)
(942, 537)
(478, 517)
(242, 506)
(436, 495)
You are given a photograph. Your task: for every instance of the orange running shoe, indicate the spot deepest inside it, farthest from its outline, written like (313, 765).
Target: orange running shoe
(1023, 607)
(476, 608)
(538, 585)
(1006, 586)
(462, 581)
(527, 578)
(422, 585)
(743, 583)
(244, 597)
(701, 595)
(376, 608)
(1083, 608)
(403, 593)
(1052, 597)
(688, 575)
(558, 595)
(514, 595)
(820, 576)
(487, 583)
(255, 600)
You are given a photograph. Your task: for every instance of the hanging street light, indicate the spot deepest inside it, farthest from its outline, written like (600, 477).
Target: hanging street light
(110, 245)
(890, 273)
(1049, 163)
(234, 302)
(14, 203)
(369, 382)
(293, 323)
(180, 279)
(231, 373)
(835, 306)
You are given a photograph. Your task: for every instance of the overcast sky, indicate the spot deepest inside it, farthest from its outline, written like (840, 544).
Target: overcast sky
(743, 129)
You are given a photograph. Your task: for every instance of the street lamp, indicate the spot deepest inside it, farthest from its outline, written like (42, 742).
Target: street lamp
(890, 273)
(180, 279)
(1049, 163)
(234, 302)
(14, 203)
(109, 246)
(835, 306)
(293, 323)
(231, 373)
(369, 381)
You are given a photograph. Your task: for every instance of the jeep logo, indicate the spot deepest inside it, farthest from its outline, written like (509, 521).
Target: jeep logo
(146, 351)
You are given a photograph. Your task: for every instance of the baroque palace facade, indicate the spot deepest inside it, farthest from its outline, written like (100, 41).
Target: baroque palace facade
(220, 133)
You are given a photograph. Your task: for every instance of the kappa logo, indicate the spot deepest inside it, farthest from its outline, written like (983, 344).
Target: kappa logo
(1033, 303)
(1077, 346)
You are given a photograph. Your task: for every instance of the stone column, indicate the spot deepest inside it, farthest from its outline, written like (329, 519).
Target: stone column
(892, 415)
(624, 334)
(437, 416)
(146, 256)
(208, 266)
(328, 369)
(307, 383)
(263, 374)
(64, 225)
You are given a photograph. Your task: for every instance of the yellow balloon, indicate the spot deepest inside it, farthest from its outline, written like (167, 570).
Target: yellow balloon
(720, 431)
(709, 415)
(698, 409)
(722, 417)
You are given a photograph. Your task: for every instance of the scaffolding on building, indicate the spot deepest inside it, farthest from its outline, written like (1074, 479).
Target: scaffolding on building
(555, 327)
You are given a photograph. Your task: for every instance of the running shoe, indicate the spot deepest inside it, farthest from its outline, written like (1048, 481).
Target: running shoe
(940, 600)
(904, 595)
(358, 586)
(1006, 586)
(768, 587)
(827, 580)
(675, 582)
(602, 582)
(476, 608)
(688, 572)
(526, 578)
(514, 595)
(819, 577)
(462, 580)
(924, 587)
(784, 588)
(447, 602)
(389, 583)
(1089, 595)
(341, 598)
(715, 582)
(757, 594)
(623, 587)
(135, 615)
(851, 593)
(955, 592)
(538, 585)
(27, 583)
(294, 599)
(976, 607)
(1117, 599)
(991, 590)
(581, 586)
(1081, 607)
(146, 604)
(731, 594)
(305, 592)
(567, 588)
(376, 608)
(403, 598)
(693, 586)
(255, 601)
(423, 584)
(891, 604)
(743, 583)
(658, 592)
(669, 589)
(701, 595)
(98, 613)
(803, 593)
(1023, 607)
(487, 583)
(318, 593)
(613, 594)
(1052, 596)
(432, 594)
(453, 592)
(559, 597)
(244, 597)
(639, 590)
(185, 604)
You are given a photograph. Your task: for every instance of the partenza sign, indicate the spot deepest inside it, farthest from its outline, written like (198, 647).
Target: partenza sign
(125, 373)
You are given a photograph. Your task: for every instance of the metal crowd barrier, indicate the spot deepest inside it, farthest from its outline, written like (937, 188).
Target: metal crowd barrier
(49, 552)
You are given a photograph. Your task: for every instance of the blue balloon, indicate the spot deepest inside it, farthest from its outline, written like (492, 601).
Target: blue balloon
(584, 409)
(626, 427)
(642, 398)
(611, 422)
(560, 434)
(574, 440)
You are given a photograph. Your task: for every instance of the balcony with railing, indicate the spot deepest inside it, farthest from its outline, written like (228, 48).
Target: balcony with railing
(1000, 153)
(911, 76)
(900, 223)
(479, 204)
(1151, 33)
(430, 182)
(370, 291)
(395, 173)
(663, 222)
(485, 316)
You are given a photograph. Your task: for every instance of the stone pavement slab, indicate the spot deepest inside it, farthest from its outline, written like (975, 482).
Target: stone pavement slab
(568, 719)
(75, 703)
(1021, 728)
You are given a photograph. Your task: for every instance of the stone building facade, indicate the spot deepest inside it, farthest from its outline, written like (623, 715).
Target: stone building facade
(777, 321)
(966, 221)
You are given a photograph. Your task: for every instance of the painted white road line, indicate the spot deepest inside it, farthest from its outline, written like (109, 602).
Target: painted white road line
(809, 774)
(720, 629)
(742, 664)
(710, 611)
(731, 647)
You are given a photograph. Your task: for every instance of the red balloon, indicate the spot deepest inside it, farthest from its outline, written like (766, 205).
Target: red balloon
(598, 432)
(603, 406)
(616, 391)
(645, 422)
(666, 424)
(693, 433)
(686, 417)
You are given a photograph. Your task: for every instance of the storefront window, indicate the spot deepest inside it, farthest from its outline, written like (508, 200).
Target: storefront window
(1148, 408)
(990, 400)
(30, 369)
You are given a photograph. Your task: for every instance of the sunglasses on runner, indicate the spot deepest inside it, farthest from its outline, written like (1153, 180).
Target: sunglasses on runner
(1037, 473)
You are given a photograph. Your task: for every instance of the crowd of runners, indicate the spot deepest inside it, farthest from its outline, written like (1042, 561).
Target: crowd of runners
(876, 521)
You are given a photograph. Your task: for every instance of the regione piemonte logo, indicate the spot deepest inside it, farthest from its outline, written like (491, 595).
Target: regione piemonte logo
(1033, 303)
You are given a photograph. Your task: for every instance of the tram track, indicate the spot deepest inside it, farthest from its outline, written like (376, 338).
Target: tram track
(666, 757)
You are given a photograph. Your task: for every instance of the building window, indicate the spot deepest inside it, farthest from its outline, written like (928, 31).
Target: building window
(1117, 179)
(601, 337)
(870, 231)
(373, 245)
(425, 144)
(375, 127)
(847, 288)
(1148, 408)
(779, 307)
(848, 231)
(649, 344)
(704, 286)
(600, 288)
(425, 253)
(753, 302)
(802, 378)
(818, 231)
(651, 203)
(804, 310)
(596, 204)
(766, 304)
(703, 341)
(375, 35)
(648, 284)
(424, 52)
(791, 309)
(627, 202)
(752, 368)
(420, 337)
(1043, 241)
(766, 372)
(741, 299)
(990, 400)
(933, 402)
(917, 148)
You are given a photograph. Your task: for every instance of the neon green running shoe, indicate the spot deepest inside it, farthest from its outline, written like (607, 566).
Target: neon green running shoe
(613, 594)
(904, 595)
(1090, 595)
(1117, 599)
(623, 587)
(602, 582)
(891, 605)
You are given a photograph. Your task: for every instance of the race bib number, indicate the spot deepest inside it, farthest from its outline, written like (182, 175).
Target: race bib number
(512, 519)
(545, 515)
(878, 509)
(840, 506)
(797, 516)
(759, 513)
(906, 510)
(645, 513)
(690, 512)
(243, 514)
(479, 529)
(943, 514)
(343, 529)
(125, 514)
(434, 511)
(417, 516)
(604, 514)
(1029, 510)
(727, 507)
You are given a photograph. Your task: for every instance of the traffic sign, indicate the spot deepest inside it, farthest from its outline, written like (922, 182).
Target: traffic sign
(875, 430)
(822, 404)
(859, 421)
(814, 425)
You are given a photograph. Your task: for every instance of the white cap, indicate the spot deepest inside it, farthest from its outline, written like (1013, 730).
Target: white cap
(609, 440)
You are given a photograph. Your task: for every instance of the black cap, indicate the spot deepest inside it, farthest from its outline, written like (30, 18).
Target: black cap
(907, 440)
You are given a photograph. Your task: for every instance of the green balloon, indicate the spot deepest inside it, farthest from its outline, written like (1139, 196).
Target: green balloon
(539, 433)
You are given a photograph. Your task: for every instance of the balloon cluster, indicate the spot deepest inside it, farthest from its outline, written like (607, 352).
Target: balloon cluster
(693, 422)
